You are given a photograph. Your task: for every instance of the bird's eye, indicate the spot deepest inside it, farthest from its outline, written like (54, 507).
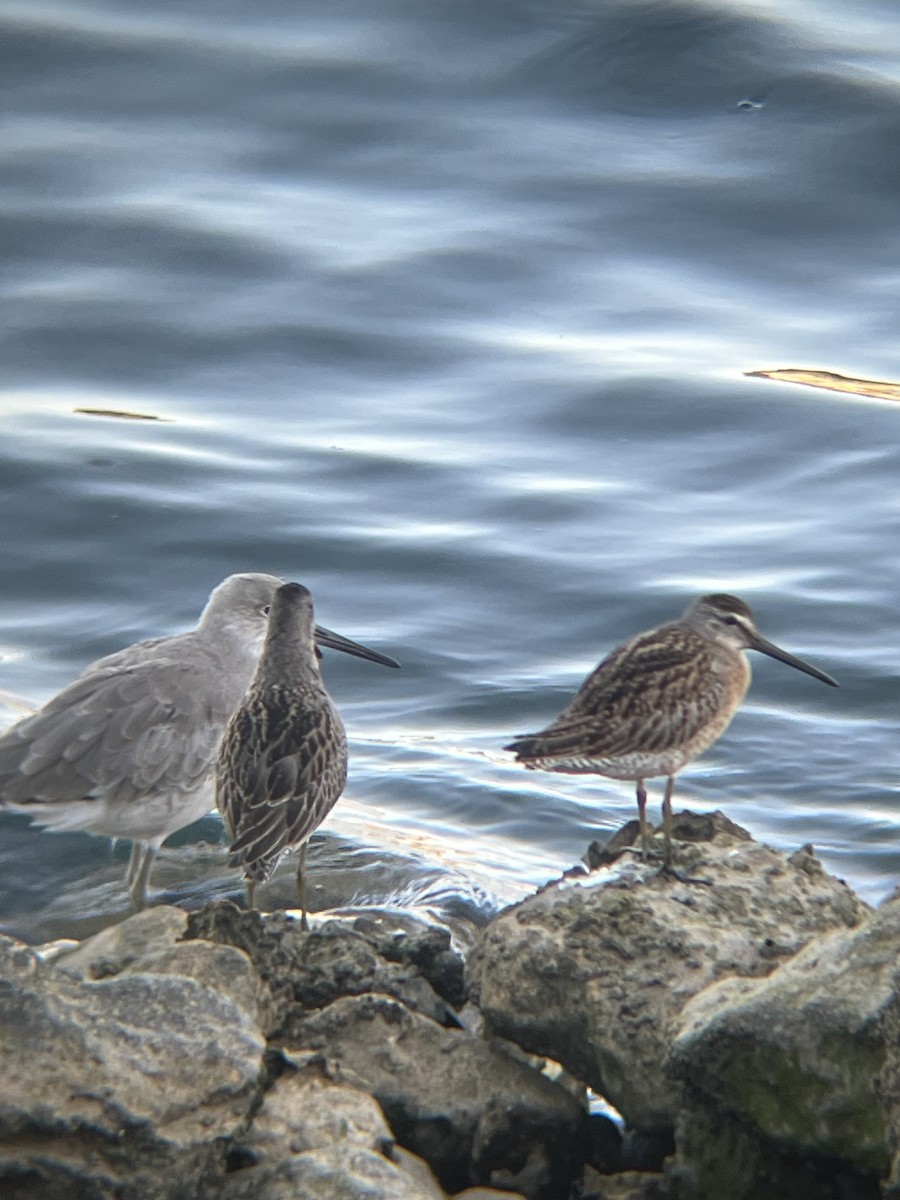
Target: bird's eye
(265, 610)
(730, 621)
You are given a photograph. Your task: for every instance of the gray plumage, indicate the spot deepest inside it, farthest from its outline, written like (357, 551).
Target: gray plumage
(658, 701)
(283, 761)
(127, 749)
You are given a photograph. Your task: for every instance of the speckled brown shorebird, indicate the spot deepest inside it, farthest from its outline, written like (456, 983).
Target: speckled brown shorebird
(127, 749)
(657, 702)
(282, 764)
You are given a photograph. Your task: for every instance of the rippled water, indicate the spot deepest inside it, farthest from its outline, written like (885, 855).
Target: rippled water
(445, 310)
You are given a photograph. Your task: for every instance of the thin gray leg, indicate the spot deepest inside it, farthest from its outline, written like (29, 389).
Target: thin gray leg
(642, 818)
(301, 887)
(667, 821)
(138, 874)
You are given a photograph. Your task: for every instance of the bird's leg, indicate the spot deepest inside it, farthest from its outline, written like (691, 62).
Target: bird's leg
(667, 823)
(301, 887)
(138, 874)
(134, 863)
(667, 868)
(642, 818)
(251, 888)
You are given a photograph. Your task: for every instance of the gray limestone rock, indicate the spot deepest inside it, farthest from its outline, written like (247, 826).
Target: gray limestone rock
(150, 943)
(475, 1112)
(308, 970)
(329, 1173)
(136, 1066)
(125, 1086)
(130, 945)
(426, 948)
(627, 1185)
(594, 971)
(480, 1193)
(315, 1138)
(796, 1076)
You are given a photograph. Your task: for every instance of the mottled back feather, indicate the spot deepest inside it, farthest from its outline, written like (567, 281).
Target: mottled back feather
(132, 723)
(656, 692)
(283, 761)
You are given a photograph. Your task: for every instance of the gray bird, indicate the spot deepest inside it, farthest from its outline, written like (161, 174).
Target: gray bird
(127, 749)
(657, 702)
(283, 761)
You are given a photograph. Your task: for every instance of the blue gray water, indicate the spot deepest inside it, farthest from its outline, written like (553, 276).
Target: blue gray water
(444, 310)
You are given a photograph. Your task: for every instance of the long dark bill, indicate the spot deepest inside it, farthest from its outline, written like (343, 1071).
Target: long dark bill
(773, 651)
(334, 641)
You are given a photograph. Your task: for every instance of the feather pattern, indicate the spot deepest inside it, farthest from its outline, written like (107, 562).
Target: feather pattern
(641, 711)
(282, 769)
(658, 701)
(127, 749)
(283, 761)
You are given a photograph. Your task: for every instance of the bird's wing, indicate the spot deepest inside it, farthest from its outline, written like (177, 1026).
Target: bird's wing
(129, 726)
(282, 766)
(648, 696)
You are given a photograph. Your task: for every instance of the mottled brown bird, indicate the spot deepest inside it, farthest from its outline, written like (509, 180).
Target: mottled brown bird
(657, 702)
(282, 764)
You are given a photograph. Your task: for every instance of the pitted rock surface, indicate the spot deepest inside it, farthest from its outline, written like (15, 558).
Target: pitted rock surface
(595, 970)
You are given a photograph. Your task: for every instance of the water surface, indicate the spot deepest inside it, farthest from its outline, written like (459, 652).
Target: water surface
(446, 311)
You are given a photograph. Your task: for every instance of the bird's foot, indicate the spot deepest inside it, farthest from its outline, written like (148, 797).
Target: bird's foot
(642, 855)
(666, 868)
(670, 872)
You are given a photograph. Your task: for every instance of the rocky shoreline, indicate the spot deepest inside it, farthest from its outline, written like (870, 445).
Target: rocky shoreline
(743, 1019)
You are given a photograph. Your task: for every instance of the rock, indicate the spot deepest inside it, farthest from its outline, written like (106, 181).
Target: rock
(131, 945)
(148, 942)
(307, 970)
(686, 827)
(319, 1139)
(707, 827)
(136, 1066)
(794, 1080)
(628, 1185)
(330, 1173)
(604, 854)
(592, 972)
(751, 1169)
(124, 1086)
(476, 1113)
(429, 950)
(305, 1110)
(479, 1193)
